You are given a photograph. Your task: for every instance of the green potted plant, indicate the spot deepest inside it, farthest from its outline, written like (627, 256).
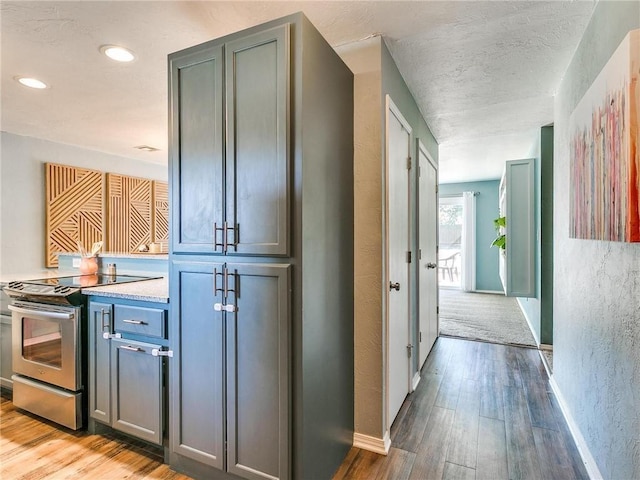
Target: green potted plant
(501, 240)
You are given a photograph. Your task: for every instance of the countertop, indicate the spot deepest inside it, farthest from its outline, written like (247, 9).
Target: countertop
(156, 290)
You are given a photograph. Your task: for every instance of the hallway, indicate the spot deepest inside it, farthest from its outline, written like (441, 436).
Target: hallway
(481, 411)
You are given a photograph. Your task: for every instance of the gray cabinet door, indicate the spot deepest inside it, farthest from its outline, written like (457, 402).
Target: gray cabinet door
(196, 336)
(520, 228)
(100, 321)
(136, 389)
(196, 118)
(257, 142)
(257, 344)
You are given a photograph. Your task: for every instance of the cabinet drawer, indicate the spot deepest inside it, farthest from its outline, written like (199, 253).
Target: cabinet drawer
(149, 322)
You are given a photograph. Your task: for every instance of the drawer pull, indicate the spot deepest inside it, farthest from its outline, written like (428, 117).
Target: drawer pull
(134, 322)
(131, 348)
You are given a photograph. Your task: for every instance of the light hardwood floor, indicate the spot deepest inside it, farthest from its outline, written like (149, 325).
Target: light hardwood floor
(481, 411)
(36, 449)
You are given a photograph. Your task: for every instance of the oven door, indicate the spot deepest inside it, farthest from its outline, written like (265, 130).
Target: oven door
(45, 343)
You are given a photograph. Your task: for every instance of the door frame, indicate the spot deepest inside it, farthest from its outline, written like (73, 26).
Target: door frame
(392, 109)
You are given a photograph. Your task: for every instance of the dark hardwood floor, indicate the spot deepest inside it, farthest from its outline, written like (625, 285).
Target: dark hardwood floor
(481, 411)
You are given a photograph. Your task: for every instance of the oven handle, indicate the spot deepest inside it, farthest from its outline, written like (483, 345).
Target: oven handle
(56, 315)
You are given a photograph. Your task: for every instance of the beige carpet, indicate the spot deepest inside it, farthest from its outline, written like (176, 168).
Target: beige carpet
(483, 316)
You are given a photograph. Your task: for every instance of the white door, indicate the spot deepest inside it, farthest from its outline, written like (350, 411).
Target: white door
(397, 284)
(427, 256)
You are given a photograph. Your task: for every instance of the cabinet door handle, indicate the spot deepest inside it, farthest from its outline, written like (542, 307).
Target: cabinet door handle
(394, 286)
(134, 322)
(431, 265)
(131, 348)
(105, 313)
(217, 229)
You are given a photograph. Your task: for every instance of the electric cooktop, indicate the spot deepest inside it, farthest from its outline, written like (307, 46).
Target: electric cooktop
(65, 289)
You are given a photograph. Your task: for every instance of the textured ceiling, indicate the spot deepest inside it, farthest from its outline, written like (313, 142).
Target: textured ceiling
(483, 73)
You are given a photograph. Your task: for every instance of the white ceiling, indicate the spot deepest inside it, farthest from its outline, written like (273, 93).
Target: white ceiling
(483, 72)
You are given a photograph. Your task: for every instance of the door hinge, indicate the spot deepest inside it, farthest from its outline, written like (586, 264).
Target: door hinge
(419, 171)
(408, 163)
(420, 337)
(409, 347)
(409, 257)
(419, 254)
(438, 310)
(437, 189)
(156, 352)
(108, 336)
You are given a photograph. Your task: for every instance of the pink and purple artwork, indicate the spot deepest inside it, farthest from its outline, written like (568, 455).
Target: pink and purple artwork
(604, 153)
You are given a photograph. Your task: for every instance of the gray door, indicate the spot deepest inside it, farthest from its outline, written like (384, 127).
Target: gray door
(428, 261)
(258, 372)
(197, 145)
(398, 244)
(257, 103)
(196, 335)
(100, 322)
(136, 389)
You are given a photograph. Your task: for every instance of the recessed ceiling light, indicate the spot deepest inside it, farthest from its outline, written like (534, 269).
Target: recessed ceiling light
(31, 82)
(119, 54)
(147, 148)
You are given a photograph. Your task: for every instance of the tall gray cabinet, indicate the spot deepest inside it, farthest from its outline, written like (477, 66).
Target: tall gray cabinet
(261, 255)
(517, 204)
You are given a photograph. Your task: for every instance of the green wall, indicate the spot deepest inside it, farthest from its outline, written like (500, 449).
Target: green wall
(394, 85)
(487, 209)
(539, 309)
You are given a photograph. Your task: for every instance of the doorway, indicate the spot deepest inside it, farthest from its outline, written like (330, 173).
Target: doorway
(450, 218)
(397, 285)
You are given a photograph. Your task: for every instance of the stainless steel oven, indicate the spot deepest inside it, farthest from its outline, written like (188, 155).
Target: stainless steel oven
(46, 343)
(49, 326)
(47, 358)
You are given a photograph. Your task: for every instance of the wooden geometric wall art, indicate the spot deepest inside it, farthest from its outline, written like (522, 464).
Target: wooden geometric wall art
(160, 213)
(74, 209)
(604, 151)
(129, 213)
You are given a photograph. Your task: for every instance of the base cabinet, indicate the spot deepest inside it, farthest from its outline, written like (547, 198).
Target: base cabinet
(230, 370)
(126, 371)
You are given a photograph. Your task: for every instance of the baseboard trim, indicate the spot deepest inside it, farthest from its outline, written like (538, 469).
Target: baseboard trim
(583, 449)
(526, 317)
(493, 292)
(372, 444)
(546, 346)
(415, 381)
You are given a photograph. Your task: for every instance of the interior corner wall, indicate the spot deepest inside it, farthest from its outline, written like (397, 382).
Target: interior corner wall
(545, 274)
(22, 179)
(363, 59)
(596, 284)
(531, 306)
(487, 209)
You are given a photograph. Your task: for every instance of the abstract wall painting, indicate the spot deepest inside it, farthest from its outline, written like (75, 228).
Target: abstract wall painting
(605, 153)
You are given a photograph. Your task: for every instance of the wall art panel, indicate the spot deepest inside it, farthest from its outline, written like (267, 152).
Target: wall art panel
(604, 154)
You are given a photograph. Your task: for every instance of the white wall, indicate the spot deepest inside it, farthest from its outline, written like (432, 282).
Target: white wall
(22, 193)
(597, 285)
